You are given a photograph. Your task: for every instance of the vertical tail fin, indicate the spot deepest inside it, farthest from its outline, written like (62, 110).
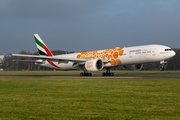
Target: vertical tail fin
(42, 48)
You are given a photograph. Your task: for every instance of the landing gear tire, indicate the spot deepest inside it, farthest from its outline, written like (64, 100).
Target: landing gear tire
(89, 74)
(112, 74)
(161, 68)
(81, 74)
(103, 74)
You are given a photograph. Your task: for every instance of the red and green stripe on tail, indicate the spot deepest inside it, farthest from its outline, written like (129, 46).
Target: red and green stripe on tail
(43, 49)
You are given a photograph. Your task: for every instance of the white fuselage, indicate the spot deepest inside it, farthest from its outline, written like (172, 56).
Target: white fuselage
(119, 56)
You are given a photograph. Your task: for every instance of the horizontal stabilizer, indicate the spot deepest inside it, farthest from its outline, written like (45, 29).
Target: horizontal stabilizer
(31, 61)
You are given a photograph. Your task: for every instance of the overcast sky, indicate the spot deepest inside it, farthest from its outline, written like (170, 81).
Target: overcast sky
(83, 25)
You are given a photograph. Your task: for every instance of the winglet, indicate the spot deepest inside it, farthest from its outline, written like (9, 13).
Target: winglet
(42, 48)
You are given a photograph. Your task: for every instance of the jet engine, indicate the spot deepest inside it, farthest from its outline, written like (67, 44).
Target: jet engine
(94, 65)
(134, 67)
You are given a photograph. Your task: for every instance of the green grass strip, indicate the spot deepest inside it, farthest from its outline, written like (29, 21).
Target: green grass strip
(60, 98)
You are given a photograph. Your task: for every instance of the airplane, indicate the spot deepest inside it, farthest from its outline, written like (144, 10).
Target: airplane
(132, 58)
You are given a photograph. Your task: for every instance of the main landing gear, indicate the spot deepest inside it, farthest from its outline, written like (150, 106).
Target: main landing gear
(107, 73)
(85, 73)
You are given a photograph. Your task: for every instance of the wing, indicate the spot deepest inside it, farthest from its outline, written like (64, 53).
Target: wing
(58, 58)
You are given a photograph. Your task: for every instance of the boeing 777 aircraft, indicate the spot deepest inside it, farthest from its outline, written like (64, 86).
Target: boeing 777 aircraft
(132, 58)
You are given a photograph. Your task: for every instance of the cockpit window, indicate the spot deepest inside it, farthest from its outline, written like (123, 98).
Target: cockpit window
(168, 49)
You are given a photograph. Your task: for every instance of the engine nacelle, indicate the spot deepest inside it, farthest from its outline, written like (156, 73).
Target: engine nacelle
(94, 65)
(134, 67)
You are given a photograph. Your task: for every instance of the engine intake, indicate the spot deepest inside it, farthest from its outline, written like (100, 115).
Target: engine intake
(94, 65)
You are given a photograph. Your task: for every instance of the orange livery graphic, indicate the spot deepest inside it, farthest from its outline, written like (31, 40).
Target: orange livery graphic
(89, 64)
(110, 54)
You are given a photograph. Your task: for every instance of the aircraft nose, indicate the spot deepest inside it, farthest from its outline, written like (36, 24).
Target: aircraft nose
(173, 53)
(170, 54)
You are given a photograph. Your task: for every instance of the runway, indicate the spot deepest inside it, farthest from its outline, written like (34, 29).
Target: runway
(97, 76)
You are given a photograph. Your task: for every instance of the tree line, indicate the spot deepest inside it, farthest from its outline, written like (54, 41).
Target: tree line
(11, 63)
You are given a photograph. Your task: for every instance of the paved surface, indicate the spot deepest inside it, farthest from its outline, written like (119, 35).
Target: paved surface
(95, 76)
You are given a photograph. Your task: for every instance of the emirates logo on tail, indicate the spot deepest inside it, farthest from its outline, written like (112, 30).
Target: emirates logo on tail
(42, 48)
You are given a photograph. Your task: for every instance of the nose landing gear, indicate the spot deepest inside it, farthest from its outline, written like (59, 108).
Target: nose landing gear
(162, 63)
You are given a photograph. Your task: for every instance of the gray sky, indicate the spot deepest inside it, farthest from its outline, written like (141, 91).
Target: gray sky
(83, 25)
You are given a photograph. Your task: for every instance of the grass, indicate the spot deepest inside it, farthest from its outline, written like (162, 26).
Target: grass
(71, 98)
(94, 73)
